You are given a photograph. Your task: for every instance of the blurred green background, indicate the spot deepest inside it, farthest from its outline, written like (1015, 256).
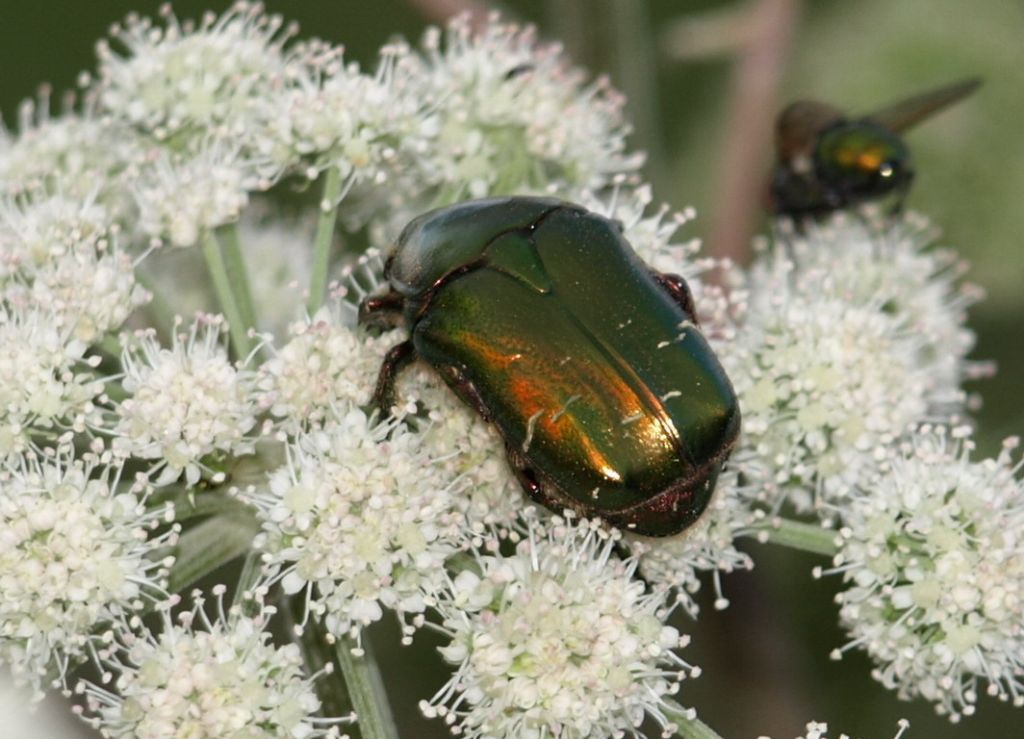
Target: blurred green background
(766, 669)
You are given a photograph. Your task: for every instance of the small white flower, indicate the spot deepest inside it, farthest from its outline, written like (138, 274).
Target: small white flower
(359, 518)
(92, 295)
(38, 228)
(203, 677)
(328, 366)
(934, 561)
(47, 385)
(708, 545)
(558, 639)
(73, 554)
(185, 403)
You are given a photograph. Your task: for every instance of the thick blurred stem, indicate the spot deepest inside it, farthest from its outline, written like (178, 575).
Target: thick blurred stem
(235, 263)
(807, 537)
(747, 144)
(159, 310)
(226, 295)
(324, 239)
(366, 689)
(636, 71)
(438, 11)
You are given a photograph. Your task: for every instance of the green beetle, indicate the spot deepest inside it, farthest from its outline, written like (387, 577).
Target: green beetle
(591, 366)
(827, 161)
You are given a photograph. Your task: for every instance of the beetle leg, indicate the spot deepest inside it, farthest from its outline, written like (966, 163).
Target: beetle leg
(528, 478)
(467, 391)
(382, 310)
(398, 358)
(679, 291)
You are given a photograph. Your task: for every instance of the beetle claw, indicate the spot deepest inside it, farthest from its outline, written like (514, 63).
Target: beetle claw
(382, 310)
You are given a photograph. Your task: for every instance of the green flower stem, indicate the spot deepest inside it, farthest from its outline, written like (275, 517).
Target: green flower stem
(111, 346)
(226, 295)
(207, 546)
(232, 250)
(312, 641)
(689, 728)
(190, 504)
(807, 537)
(252, 568)
(366, 689)
(160, 311)
(324, 238)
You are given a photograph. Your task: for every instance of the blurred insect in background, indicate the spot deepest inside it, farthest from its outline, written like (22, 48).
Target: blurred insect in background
(827, 160)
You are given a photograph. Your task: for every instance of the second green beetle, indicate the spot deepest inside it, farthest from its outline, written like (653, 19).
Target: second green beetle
(590, 365)
(827, 160)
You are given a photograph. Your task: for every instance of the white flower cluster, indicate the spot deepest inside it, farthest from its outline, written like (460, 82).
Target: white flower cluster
(326, 367)
(558, 639)
(73, 555)
(934, 561)
(206, 677)
(46, 386)
(185, 403)
(830, 361)
(511, 115)
(78, 155)
(894, 262)
(61, 255)
(180, 200)
(185, 84)
(358, 519)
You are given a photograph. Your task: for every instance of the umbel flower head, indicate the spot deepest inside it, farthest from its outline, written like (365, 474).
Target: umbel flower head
(828, 378)
(47, 386)
(206, 677)
(326, 367)
(74, 554)
(502, 113)
(558, 639)
(185, 403)
(76, 154)
(933, 557)
(183, 84)
(63, 256)
(871, 257)
(359, 519)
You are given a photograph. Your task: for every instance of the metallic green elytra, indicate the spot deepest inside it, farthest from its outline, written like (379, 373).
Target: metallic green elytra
(591, 366)
(827, 161)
